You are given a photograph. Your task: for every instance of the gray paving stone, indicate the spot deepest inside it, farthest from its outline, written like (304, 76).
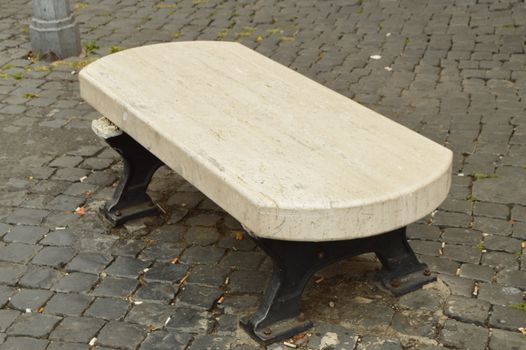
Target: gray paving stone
(31, 299)
(10, 273)
(19, 343)
(477, 272)
(462, 236)
(163, 340)
(67, 346)
(202, 255)
(75, 282)
(506, 340)
(18, 252)
(202, 236)
(378, 343)
(150, 314)
(77, 329)
(509, 318)
(53, 256)
(208, 275)
(462, 253)
(70, 304)
(5, 294)
(166, 272)
(23, 216)
(65, 203)
(126, 267)
(467, 310)
(39, 277)
(211, 342)
(33, 325)
(64, 238)
(415, 323)
(199, 296)
(108, 308)
(66, 161)
(512, 278)
(187, 320)
(500, 295)
(243, 260)
(500, 261)
(246, 281)
(88, 263)
(162, 252)
(26, 234)
(115, 287)
(458, 285)
(330, 335)
(463, 336)
(156, 292)
(422, 300)
(7, 317)
(121, 335)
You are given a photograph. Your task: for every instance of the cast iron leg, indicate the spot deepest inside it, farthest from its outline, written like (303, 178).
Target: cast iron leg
(402, 272)
(130, 200)
(296, 262)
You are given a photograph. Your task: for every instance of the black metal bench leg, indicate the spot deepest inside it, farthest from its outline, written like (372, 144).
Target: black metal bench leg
(296, 262)
(130, 200)
(402, 272)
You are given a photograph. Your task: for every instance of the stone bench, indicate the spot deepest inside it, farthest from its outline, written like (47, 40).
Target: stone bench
(313, 176)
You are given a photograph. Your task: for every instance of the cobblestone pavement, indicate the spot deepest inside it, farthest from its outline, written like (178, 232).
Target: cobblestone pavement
(454, 70)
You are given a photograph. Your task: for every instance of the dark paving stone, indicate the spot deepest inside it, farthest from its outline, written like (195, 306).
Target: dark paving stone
(504, 244)
(492, 226)
(199, 296)
(26, 234)
(463, 336)
(75, 282)
(232, 242)
(24, 216)
(156, 292)
(458, 285)
(166, 272)
(19, 343)
(150, 314)
(508, 318)
(70, 304)
(39, 277)
(121, 335)
(10, 273)
(33, 325)
(65, 203)
(126, 267)
(462, 253)
(187, 320)
(467, 309)
(18, 252)
(7, 317)
(30, 299)
(77, 329)
(89, 263)
(164, 340)
(506, 340)
(426, 247)
(115, 287)
(108, 308)
(500, 295)
(162, 252)
(53, 256)
(477, 272)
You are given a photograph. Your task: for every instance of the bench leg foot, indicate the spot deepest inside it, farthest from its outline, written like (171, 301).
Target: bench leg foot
(402, 272)
(130, 200)
(295, 262)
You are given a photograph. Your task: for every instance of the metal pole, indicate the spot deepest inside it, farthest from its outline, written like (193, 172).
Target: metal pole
(53, 30)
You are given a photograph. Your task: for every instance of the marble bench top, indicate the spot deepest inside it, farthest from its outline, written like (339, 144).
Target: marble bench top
(286, 156)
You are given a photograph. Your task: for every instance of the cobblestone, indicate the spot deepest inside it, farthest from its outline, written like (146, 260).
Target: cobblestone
(456, 74)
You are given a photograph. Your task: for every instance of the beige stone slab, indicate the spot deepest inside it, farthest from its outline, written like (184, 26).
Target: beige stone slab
(286, 156)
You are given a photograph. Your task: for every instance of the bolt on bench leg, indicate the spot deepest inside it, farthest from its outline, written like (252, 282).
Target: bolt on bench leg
(295, 262)
(130, 200)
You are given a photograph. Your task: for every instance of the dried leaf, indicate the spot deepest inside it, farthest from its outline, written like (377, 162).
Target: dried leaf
(239, 236)
(80, 211)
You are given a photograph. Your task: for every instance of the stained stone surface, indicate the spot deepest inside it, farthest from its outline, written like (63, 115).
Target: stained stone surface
(454, 71)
